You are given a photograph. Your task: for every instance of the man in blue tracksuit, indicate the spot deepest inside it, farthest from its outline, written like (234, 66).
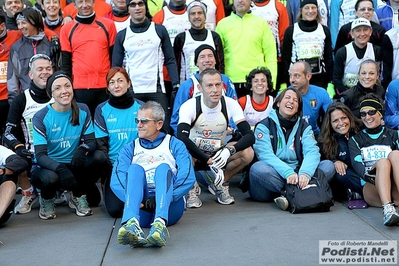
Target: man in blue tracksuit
(151, 175)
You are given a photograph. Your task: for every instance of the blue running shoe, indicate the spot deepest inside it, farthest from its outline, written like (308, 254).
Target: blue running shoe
(157, 235)
(131, 234)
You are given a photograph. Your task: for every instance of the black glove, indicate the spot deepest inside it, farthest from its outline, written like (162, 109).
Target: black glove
(55, 49)
(173, 96)
(24, 153)
(79, 159)
(149, 204)
(68, 180)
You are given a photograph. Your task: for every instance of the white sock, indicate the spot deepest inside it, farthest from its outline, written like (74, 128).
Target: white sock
(160, 219)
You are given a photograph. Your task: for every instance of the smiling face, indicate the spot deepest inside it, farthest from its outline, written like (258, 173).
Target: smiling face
(62, 92)
(11, 7)
(259, 84)
(365, 10)
(52, 8)
(288, 106)
(84, 7)
(368, 75)
(309, 12)
(206, 59)
(197, 18)
(340, 122)
(41, 70)
(27, 29)
(371, 121)
(118, 85)
(361, 35)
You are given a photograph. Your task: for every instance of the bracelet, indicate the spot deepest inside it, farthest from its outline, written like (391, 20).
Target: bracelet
(19, 145)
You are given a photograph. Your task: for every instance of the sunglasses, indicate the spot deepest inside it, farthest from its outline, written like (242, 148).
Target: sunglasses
(143, 120)
(369, 112)
(38, 56)
(133, 4)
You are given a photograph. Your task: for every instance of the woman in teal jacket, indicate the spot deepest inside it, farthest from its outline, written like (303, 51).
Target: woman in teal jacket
(287, 151)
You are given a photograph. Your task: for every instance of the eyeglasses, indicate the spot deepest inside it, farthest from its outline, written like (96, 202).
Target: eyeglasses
(364, 9)
(133, 4)
(144, 121)
(38, 56)
(369, 112)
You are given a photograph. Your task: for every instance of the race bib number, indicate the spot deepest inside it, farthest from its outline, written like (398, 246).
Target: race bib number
(310, 50)
(150, 177)
(372, 154)
(193, 67)
(209, 146)
(3, 72)
(351, 80)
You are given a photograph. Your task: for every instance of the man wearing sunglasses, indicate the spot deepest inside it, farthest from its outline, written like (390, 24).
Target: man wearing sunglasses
(203, 129)
(151, 176)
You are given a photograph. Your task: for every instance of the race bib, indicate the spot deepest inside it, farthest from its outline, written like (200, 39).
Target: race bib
(150, 177)
(193, 67)
(351, 80)
(209, 146)
(310, 50)
(372, 154)
(3, 72)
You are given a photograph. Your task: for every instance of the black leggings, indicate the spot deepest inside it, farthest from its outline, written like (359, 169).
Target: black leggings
(113, 204)
(4, 108)
(49, 182)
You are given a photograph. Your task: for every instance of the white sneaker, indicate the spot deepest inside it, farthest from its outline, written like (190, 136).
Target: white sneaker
(222, 194)
(193, 200)
(391, 216)
(26, 202)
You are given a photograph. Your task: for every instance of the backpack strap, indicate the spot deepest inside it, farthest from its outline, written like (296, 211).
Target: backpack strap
(224, 110)
(198, 109)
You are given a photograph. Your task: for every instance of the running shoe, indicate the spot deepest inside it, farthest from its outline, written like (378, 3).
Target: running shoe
(47, 209)
(80, 205)
(222, 194)
(26, 202)
(391, 216)
(131, 234)
(281, 202)
(193, 200)
(157, 235)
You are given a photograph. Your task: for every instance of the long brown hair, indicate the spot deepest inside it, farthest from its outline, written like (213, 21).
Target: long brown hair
(328, 142)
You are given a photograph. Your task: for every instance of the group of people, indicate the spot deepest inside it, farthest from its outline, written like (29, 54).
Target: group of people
(159, 101)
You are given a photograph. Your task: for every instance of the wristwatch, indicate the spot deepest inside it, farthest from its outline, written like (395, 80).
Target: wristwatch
(231, 150)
